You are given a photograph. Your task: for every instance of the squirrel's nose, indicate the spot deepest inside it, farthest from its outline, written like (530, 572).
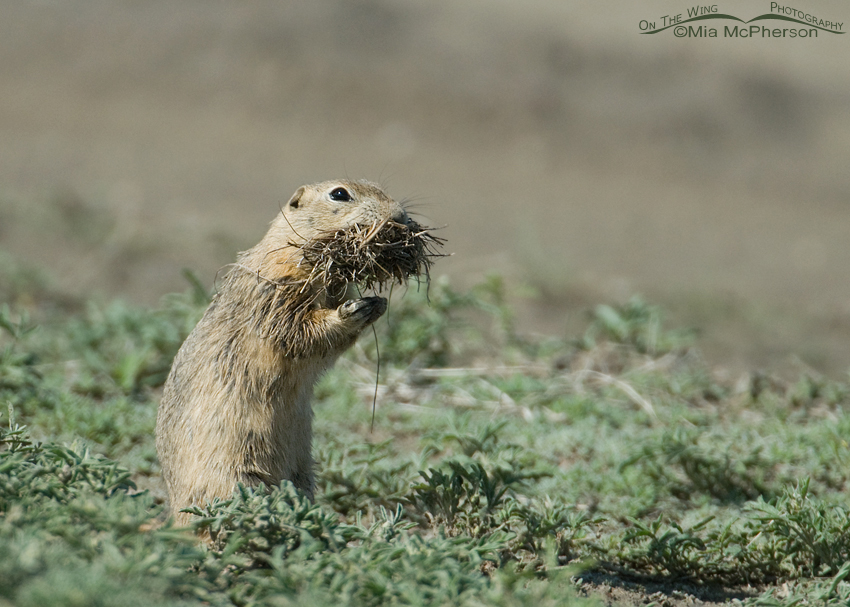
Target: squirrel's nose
(400, 216)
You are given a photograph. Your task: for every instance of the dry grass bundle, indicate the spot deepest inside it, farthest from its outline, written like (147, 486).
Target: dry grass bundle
(373, 257)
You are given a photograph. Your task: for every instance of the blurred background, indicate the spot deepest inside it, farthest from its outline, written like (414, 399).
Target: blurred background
(579, 159)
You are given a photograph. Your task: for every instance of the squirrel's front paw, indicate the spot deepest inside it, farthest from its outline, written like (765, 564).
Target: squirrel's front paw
(363, 311)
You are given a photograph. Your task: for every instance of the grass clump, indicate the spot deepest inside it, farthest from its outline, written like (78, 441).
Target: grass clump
(373, 256)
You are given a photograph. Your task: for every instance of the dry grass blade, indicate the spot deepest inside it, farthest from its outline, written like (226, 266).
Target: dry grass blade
(373, 257)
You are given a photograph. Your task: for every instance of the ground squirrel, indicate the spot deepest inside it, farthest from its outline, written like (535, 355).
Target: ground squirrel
(236, 404)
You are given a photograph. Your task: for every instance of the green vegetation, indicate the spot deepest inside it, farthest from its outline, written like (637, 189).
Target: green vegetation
(502, 470)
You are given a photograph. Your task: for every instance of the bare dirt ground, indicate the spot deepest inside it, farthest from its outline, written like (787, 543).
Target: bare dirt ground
(613, 590)
(559, 146)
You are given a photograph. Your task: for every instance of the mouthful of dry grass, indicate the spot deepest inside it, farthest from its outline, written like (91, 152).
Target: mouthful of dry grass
(373, 257)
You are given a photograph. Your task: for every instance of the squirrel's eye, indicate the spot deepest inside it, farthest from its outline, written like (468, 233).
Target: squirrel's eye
(340, 195)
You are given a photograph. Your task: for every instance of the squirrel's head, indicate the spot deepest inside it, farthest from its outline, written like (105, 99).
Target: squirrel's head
(336, 233)
(337, 205)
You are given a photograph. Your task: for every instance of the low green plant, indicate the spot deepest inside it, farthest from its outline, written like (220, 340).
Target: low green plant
(636, 324)
(688, 463)
(811, 535)
(362, 478)
(465, 496)
(500, 467)
(256, 521)
(125, 349)
(71, 526)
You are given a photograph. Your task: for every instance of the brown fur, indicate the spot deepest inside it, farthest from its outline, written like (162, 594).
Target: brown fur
(236, 405)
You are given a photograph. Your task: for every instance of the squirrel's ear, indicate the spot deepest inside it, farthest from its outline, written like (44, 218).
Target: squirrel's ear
(296, 198)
